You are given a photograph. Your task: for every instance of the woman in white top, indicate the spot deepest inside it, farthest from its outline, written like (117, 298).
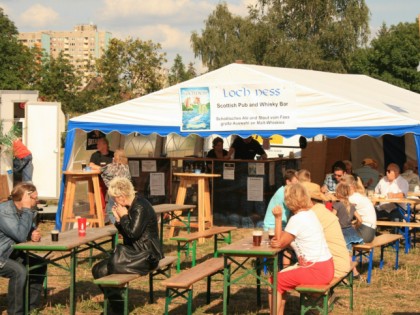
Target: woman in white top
(305, 235)
(364, 207)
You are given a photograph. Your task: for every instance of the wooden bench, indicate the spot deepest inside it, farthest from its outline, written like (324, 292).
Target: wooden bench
(311, 295)
(405, 227)
(220, 233)
(382, 241)
(181, 285)
(123, 280)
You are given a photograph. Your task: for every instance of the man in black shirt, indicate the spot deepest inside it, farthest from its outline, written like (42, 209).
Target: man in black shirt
(103, 155)
(246, 149)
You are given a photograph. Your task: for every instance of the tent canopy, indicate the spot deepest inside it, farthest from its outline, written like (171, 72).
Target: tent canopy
(328, 104)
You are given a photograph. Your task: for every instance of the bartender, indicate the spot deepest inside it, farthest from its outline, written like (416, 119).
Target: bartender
(246, 149)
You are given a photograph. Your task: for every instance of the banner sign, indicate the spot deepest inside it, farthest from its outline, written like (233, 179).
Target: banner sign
(233, 107)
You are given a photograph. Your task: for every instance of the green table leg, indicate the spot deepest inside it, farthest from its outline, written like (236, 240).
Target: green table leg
(226, 279)
(161, 230)
(73, 261)
(274, 284)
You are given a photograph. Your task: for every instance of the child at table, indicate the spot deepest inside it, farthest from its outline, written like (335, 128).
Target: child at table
(345, 212)
(304, 234)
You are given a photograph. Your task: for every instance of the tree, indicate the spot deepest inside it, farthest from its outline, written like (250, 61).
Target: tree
(314, 34)
(178, 73)
(225, 39)
(393, 56)
(16, 61)
(129, 69)
(58, 80)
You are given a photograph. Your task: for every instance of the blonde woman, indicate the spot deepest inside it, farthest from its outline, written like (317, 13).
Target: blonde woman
(136, 222)
(305, 234)
(364, 207)
(345, 212)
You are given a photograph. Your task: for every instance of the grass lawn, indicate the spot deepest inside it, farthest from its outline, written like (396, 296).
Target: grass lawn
(390, 292)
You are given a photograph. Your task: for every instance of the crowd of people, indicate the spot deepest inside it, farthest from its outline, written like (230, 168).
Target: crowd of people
(317, 231)
(346, 219)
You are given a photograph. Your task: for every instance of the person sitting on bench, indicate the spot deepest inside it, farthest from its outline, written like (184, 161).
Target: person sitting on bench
(136, 221)
(304, 233)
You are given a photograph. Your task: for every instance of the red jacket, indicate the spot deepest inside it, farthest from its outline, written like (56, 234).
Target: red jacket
(20, 150)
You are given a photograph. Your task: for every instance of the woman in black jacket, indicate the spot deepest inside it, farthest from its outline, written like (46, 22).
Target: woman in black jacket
(136, 222)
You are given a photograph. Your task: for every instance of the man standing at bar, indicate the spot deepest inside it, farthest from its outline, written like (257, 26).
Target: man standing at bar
(17, 226)
(246, 149)
(103, 155)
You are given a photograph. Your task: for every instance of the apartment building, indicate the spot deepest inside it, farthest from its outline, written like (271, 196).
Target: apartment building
(83, 44)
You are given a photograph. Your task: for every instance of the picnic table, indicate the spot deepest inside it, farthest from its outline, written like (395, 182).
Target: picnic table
(174, 212)
(408, 215)
(70, 244)
(244, 248)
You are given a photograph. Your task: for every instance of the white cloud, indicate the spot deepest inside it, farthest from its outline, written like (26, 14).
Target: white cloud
(39, 16)
(128, 8)
(169, 37)
(241, 9)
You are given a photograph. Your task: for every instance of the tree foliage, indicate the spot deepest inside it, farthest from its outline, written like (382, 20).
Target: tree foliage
(16, 61)
(128, 69)
(315, 34)
(225, 39)
(178, 73)
(393, 57)
(58, 80)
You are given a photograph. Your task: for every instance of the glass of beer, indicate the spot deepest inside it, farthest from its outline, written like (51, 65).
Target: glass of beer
(257, 237)
(54, 235)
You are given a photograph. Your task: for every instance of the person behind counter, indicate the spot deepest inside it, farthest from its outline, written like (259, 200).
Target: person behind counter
(217, 152)
(103, 155)
(246, 149)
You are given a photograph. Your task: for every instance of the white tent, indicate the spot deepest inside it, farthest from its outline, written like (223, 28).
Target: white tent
(326, 104)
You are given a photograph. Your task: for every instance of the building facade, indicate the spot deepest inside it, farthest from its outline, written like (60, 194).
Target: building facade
(82, 45)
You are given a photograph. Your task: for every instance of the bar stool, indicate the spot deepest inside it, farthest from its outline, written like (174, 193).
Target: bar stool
(96, 214)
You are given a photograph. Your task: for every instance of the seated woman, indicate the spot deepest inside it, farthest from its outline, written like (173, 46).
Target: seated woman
(118, 168)
(304, 233)
(345, 212)
(365, 209)
(136, 221)
(217, 152)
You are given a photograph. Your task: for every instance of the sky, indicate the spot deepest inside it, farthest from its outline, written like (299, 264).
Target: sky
(168, 22)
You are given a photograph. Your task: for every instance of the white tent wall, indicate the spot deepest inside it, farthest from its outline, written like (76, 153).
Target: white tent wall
(366, 146)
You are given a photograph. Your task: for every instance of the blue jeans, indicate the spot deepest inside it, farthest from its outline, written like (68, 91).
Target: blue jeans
(15, 271)
(25, 166)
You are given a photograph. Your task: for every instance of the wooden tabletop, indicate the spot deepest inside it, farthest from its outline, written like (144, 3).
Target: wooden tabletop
(203, 175)
(67, 240)
(245, 248)
(398, 224)
(169, 207)
(411, 201)
(80, 172)
(413, 194)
